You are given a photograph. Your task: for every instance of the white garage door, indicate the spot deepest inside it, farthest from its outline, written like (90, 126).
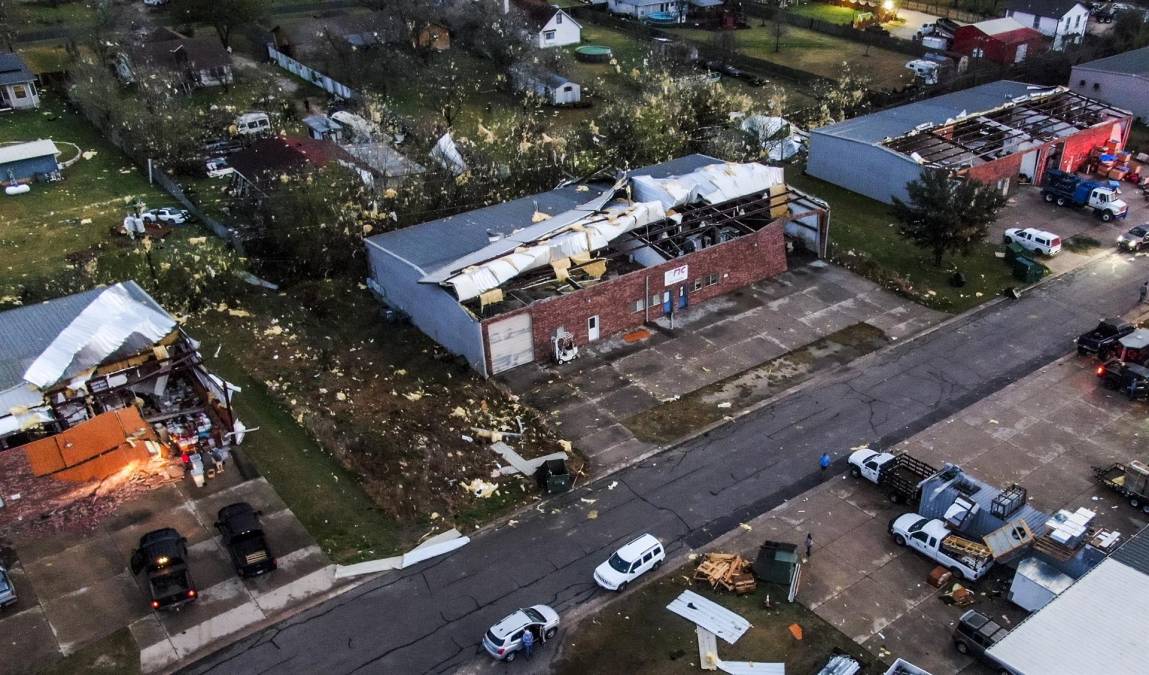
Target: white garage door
(510, 343)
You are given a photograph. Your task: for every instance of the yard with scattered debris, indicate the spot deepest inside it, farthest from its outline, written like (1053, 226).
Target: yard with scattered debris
(639, 635)
(864, 238)
(391, 411)
(46, 232)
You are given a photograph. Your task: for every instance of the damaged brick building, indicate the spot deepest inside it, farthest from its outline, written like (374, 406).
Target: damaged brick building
(592, 259)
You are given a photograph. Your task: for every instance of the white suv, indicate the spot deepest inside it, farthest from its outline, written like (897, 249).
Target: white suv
(1038, 241)
(630, 562)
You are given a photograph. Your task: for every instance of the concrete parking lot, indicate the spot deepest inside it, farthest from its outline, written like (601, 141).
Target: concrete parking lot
(1043, 432)
(1027, 209)
(745, 346)
(77, 589)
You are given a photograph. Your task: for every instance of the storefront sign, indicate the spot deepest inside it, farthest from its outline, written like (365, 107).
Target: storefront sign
(676, 275)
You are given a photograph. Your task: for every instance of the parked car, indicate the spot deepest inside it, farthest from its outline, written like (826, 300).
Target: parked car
(1032, 239)
(1102, 339)
(504, 640)
(163, 555)
(168, 215)
(967, 559)
(1135, 239)
(218, 168)
(1130, 379)
(243, 538)
(975, 633)
(7, 590)
(630, 562)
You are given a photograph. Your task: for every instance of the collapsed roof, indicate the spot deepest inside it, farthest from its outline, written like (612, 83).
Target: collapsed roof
(576, 234)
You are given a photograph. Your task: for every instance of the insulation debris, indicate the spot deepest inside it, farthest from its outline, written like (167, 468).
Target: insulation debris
(481, 488)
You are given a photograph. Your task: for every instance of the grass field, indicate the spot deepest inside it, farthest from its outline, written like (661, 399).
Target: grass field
(816, 53)
(863, 238)
(41, 229)
(823, 12)
(638, 635)
(33, 15)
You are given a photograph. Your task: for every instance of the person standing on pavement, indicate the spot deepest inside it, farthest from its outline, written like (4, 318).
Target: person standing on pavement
(1143, 293)
(824, 463)
(528, 642)
(809, 544)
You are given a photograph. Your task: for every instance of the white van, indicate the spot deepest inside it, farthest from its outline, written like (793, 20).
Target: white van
(253, 124)
(630, 562)
(1038, 241)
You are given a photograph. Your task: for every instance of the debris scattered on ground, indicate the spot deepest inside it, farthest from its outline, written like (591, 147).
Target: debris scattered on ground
(438, 545)
(728, 570)
(795, 630)
(481, 488)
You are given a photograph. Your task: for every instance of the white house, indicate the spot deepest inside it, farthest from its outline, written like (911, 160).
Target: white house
(550, 26)
(17, 84)
(640, 9)
(1063, 20)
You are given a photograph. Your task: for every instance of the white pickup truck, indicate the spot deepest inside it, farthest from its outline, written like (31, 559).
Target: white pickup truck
(967, 559)
(900, 476)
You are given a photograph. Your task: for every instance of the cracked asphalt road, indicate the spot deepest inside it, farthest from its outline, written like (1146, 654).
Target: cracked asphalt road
(431, 618)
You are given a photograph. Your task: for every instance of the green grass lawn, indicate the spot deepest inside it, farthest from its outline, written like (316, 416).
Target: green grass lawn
(41, 229)
(863, 237)
(326, 498)
(815, 52)
(823, 12)
(1139, 138)
(33, 15)
(638, 635)
(46, 57)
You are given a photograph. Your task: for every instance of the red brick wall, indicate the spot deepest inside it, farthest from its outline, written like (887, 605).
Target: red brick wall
(738, 263)
(1079, 145)
(991, 172)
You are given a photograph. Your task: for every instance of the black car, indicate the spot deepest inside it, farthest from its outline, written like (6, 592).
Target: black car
(163, 555)
(975, 633)
(1129, 378)
(1102, 339)
(242, 534)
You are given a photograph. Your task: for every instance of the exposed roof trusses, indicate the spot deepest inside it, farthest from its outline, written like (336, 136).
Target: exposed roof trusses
(982, 137)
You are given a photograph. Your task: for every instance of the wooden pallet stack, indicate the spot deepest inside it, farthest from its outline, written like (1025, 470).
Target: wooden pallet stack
(728, 570)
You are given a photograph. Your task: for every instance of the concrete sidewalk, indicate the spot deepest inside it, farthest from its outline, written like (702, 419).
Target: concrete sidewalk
(595, 400)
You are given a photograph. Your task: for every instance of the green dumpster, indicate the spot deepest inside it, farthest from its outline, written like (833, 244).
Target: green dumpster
(1027, 271)
(554, 477)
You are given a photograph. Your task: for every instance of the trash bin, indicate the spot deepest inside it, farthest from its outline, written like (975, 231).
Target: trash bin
(1027, 271)
(553, 476)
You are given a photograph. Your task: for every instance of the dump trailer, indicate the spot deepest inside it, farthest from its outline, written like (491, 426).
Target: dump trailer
(899, 476)
(1065, 189)
(1128, 480)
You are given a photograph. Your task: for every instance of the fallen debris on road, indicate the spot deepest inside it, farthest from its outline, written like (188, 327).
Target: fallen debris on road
(438, 545)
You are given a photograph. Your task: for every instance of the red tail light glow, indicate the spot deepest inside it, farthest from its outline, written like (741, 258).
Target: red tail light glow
(155, 604)
(191, 593)
(1100, 370)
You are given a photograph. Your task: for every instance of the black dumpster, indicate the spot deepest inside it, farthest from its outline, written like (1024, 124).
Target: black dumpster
(553, 476)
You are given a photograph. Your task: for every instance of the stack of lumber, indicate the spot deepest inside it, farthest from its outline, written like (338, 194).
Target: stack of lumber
(728, 570)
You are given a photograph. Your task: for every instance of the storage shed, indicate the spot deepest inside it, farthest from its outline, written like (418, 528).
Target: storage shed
(554, 88)
(1036, 583)
(24, 162)
(1003, 41)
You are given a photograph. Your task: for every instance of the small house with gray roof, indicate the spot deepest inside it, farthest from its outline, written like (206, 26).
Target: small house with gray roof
(589, 259)
(17, 84)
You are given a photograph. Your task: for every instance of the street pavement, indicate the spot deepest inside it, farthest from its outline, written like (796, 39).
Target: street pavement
(431, 618)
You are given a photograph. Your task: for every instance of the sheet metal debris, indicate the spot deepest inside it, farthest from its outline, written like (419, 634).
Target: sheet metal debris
(438, 545)
(527, 467)
(710, 615)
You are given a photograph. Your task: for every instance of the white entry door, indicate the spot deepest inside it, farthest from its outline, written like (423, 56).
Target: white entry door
(1019, 55)
(592, 329)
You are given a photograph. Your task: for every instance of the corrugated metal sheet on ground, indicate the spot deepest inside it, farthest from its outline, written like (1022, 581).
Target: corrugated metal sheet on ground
(710, 615)
(1098, 625)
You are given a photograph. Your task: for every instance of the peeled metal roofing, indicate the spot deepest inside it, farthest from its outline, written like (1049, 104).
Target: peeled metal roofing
(435, 243)
(25, 332)
(902, 119)
(1098, 625)
(710, 615)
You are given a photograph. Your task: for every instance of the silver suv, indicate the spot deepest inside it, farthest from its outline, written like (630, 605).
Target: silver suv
(505, 639)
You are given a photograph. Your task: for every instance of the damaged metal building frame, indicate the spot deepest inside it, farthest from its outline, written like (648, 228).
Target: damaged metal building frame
(594, 259)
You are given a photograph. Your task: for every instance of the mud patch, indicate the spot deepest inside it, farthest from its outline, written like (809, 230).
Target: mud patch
(672, 420)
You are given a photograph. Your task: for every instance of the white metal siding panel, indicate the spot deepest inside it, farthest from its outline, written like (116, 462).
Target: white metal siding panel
(511, 342)
(1097, 626)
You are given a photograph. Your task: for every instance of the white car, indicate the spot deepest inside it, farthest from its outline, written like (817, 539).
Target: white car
(505, 639)
(1032, 239)
(167, 214)
(630, 562)
(218, 168)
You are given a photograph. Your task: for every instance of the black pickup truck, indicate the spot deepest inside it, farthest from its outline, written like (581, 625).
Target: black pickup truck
(1104, 337)
(242, 534)
(163, 555)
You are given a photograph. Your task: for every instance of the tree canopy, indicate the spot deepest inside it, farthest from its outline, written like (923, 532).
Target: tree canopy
(946, 215)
